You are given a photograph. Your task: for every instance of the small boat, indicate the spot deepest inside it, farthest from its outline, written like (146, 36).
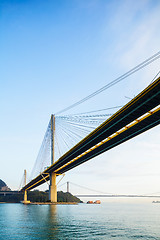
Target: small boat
(97, 202)
(90, 202)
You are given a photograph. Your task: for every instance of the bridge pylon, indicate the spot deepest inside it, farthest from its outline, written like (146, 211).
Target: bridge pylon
(68, 187)
(25, 201)
(52, 186)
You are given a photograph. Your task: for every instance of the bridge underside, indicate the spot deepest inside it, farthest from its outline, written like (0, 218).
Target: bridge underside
(139, 115)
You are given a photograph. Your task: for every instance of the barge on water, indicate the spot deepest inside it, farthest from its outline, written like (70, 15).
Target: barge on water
(96, 202)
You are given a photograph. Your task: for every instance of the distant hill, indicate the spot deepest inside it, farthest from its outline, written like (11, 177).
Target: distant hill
(39, 196)
(67, 197)
(3, 186)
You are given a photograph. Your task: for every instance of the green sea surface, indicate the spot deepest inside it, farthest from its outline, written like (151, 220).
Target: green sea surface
(118, 221)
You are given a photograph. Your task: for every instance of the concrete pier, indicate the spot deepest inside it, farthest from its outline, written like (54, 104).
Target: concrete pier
(25, 201)
(53, 188)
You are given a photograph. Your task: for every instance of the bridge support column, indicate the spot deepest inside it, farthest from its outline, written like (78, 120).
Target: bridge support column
(25, 201)
(68, 187)
(25, 196)
(53, 188)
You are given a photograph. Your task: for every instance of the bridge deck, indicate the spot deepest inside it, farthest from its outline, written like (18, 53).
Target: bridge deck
(136, 117)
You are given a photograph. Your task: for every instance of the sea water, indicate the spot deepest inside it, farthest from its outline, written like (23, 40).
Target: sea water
(83, 221)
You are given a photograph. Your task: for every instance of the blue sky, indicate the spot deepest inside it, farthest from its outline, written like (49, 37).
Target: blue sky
(52, 54)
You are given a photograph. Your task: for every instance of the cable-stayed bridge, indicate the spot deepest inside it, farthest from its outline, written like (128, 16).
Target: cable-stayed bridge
(137, 116)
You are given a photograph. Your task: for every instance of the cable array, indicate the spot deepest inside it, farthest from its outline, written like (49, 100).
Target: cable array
(115, 81)
(91, 190)
(44, 156)
(69, 130)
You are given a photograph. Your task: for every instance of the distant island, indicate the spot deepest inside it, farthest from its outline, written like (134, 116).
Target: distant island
(3, 186)
(34, 196)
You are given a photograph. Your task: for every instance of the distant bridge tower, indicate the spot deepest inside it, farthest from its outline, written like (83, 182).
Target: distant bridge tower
(25, 191)
(25, 180)
(52, 186)
(68, 187)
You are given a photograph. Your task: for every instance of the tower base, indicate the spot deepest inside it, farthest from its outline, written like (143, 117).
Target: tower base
(53, 188)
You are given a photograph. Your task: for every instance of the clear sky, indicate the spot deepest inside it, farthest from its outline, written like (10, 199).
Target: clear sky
(52, 54)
